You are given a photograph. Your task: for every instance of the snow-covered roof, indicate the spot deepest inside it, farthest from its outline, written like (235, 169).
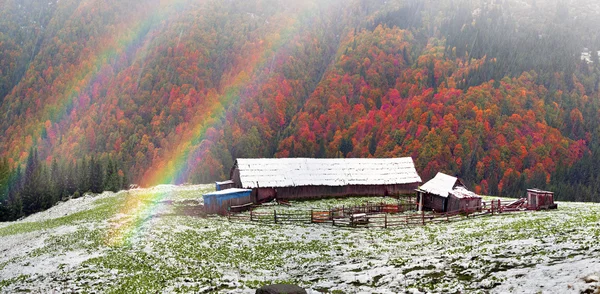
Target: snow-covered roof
(440, 185)
(224, 182)
(462, 192)
(291, 172)
(227, 191)
(535, 190)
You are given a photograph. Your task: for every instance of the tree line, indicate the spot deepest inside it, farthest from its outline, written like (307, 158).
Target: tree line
(40, 185)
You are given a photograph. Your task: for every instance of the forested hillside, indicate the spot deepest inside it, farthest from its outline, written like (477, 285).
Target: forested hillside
(95, 95)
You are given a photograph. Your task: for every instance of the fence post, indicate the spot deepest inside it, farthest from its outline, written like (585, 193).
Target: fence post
(275, 215)
(423, 216)
(385, 221)
(251, 215)
(499, 207)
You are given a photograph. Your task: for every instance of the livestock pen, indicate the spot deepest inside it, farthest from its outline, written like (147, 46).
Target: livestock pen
(404, 213)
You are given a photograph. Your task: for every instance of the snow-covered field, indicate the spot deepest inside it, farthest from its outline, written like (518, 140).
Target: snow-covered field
(146, 240)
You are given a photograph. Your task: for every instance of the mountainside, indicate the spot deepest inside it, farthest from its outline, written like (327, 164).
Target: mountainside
(152, 240)
(173, 91)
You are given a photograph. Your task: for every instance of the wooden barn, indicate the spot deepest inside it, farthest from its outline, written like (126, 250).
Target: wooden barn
(220, 201)
(538, 199)
(306, 178)
(446, 193)
(223, 185)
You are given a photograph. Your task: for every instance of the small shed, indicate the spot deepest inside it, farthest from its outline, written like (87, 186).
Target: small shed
(220, 201)
(539, 199)
(446, 193)
(224, 185)
(461, 199)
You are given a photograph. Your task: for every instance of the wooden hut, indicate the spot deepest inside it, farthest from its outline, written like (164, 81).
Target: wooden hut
(220, 201)
(224, 185)
(306, 178)
(446, 193)
(539, 199)
(461, 199)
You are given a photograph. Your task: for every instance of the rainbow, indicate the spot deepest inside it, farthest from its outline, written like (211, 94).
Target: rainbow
(175, 166)
(92, 69)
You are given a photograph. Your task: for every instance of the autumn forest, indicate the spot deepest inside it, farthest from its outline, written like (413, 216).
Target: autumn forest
(98, 95)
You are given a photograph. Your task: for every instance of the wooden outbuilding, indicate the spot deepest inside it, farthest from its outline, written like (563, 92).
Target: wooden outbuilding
(539, 199)
(224, 185)
(307, 178)
(446, 193)
(220, 201)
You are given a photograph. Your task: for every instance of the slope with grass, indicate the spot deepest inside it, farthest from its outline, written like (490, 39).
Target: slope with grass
(145, 241)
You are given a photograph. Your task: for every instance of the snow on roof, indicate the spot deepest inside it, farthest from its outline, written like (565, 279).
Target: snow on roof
(224, 182)
(535, 190)
(441, 185)
(291, 172)
(227, 191)
(462, 192)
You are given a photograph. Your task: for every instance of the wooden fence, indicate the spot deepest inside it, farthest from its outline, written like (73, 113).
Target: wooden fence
(374, 215)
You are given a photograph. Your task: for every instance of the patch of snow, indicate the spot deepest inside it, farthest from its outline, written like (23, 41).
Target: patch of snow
(69, 207)
(17, 251)
(566, 277)
(46, 264)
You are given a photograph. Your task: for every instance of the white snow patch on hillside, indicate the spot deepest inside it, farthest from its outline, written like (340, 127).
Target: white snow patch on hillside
(22, 261)
(564, 277)
(69, 207)
(46, 264)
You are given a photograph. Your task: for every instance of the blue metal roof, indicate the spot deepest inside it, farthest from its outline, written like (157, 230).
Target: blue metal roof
(223, 195)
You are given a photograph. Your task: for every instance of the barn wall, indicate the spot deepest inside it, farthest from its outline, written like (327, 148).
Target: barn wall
(264, 194)
(532, 200)
(434, 202)
(454, 204)
(224, 186)
(235, 177)
(473, 203)
(438, 203)
(314, 192)
(462, 204)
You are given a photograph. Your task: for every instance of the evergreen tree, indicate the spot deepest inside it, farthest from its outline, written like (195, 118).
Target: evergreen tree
(30, 192)
(4, 178)
(15, 187)
(346, 146)
(70, 179)
(44, 189)
(83, 176)
(123, 179)
(96, 176)
(57, 182)
(373, 144)
(111, 181)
